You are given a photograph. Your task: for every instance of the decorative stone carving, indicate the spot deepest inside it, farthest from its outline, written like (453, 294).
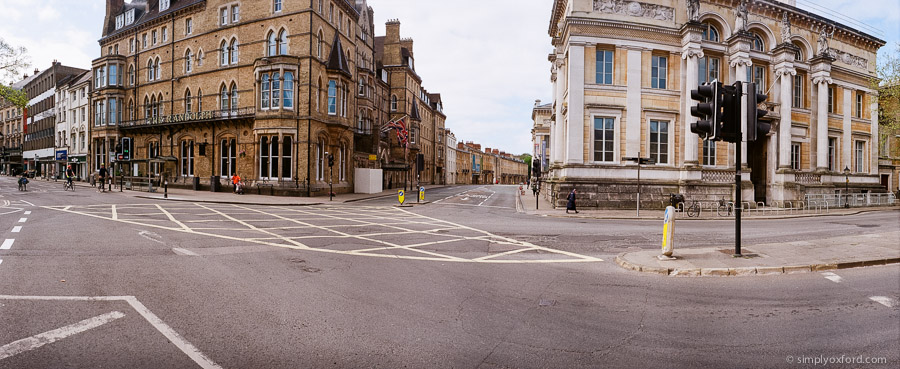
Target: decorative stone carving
(693, 10)
(823, 48)
(849, 59)
(785, 72)
(635, 9)
(735, 62)
(742, 18)
(822, 79)
(691, 53)
(785, 28)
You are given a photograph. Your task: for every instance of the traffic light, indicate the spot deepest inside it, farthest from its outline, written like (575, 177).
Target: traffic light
(330, 160)
(755, 128)
(731, 113)
(536, 167)
(709, 110)
(118, 148)
(126, 148)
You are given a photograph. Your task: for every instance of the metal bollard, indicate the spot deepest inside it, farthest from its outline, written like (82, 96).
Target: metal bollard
(668, 241)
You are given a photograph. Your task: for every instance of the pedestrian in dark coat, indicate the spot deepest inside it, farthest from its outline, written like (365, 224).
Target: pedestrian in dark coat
(571, 204)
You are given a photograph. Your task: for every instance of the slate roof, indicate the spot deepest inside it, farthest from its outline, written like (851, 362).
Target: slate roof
(338, 60)
(144, 13)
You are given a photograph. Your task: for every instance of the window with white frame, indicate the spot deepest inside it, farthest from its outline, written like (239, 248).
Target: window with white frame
(604, 139)
(129, 17)
(235, 13)
(287, 100)
(131, 44)
(757, 44)
(282, 42)
(188, 102)
(276, 6)
(223, 53)
(187, 158)
(658, 72)
(113, 111)
(188, 61)
(757, 74)
(144, 41)
(798, 91)
(332, 97)
(153, 152)
(708, 69)
(859, 104)
(659, 141)
(165, 33)
(710, 32)
(163, 5)
(228, 156)
(795, 156)
(153, 36)
(223, 16)
(189, 26)
(830, 99)
(272, 44)
(120, 21)
(234, 51)
(234, 97)
(832, 154)
(709, 152)
(99, 113)
(860, 147)
(604, 75)
(393, 102)
(276, 90)
(264, 91)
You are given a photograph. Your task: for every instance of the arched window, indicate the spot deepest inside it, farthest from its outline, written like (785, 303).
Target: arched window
(234, 96)
(153, 107)
(276, 90)
(710, 32)
(229, 158)
(342, 153)
(150, 70)
(200, 58)
(758, 44)
(264, 99)
(187, 101)
(319, 43)
(223, 98)
(188, 61)
(159, 103)
(223, 59)
(146, 107)
(199, 100)
(156, 69)
(288, 100)
(130, 109)
(234, 51)
(320, 160)
(282, 42)
(318, 88)
(393, 102)
(798, 56)
(131, 75)
(272, 44)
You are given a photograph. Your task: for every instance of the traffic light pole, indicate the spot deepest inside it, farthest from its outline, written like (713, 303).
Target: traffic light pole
(737, 192)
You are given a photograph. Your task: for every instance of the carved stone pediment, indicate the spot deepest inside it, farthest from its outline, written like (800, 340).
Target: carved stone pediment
(635, 9)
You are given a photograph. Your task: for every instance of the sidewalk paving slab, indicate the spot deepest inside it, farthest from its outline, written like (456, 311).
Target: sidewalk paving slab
(773, 258)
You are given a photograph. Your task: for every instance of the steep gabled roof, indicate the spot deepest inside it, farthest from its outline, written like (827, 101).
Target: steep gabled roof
(337, 61)
(414, 115)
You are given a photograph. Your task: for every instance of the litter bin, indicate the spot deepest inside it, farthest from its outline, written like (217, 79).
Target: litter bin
(196, 183)
(214, 184)
(676, 200)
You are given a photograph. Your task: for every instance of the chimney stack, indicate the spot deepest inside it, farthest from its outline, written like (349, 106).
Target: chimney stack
(36, 71)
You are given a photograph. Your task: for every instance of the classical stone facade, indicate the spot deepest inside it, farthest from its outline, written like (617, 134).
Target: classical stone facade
(542, 118)
(267, 90)
(622, 72)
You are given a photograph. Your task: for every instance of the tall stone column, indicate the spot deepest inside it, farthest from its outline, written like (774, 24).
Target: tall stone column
(739, 56)
(691, 36)
(785, 72)
(575, 125)
(559, 139)
(847, 147)
(633, 104)
(821, 78)
(876, 139)
(557, 103)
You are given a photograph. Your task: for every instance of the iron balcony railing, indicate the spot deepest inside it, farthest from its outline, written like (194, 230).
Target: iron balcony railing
(200, 116)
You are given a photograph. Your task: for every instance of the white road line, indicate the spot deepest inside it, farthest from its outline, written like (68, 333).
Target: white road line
(148, 235)
(23, 220)
(172, 218)
(7, 244)
(187, 252)
(33, 342)
(157, 323)
(27, 202)
(488, 198)
(17, 229)
(833, 277)
(28, 212)
(1, 261)
(115, 214)
(884, 300)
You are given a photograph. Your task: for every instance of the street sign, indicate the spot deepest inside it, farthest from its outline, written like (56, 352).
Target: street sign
(401, 196)
(373, 157)
(422, 193)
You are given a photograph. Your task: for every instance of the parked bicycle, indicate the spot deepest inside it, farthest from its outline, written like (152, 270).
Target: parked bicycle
(694, 209)
(725, 209)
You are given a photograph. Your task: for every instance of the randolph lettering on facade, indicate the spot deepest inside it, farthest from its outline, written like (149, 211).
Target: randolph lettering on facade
(267, 89)
(622, 72)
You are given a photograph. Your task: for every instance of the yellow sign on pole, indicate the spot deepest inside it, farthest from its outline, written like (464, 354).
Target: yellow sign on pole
(422, 193)
(401, 196)
(373, 157)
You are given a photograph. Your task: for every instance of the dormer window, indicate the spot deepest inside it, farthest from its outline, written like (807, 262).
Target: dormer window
(129, 17)
(120, 21)
(164, 4)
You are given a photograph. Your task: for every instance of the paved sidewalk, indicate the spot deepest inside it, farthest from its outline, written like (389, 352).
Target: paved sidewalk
(544, 208)
(777, 258)
(250, 198)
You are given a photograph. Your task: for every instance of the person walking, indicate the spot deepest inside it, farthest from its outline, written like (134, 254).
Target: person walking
(236, 181)
(570, 205)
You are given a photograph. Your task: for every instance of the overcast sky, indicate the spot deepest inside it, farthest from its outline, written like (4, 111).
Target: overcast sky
(487, 58)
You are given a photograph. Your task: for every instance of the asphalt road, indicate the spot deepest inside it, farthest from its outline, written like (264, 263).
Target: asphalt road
(93, 280)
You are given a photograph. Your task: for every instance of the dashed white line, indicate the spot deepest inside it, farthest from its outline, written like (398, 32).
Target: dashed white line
(833, 277)
(33, 342)
(28, 212)
(7, 244)
(17, 229)
(23, 220)
(884, 300)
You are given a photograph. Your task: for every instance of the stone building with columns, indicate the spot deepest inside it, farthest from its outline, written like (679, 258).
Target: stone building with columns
(622, 72)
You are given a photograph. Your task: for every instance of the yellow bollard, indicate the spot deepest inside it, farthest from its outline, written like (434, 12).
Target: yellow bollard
(401, 196)
(668, 239)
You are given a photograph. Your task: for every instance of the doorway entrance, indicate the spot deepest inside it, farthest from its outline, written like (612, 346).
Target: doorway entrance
(757, 159)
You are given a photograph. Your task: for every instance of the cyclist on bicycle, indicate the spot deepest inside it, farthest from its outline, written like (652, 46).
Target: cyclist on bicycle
(102, 176)
(70, 173)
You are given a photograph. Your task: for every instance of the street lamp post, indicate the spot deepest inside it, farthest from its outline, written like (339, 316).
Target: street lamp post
(846, 187)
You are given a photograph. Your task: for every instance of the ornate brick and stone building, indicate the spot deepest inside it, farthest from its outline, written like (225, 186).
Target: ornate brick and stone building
(265, 89)
(622, 72)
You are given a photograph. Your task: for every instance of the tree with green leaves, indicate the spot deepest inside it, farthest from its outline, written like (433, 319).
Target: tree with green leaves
(13, 60)
(887, 83)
